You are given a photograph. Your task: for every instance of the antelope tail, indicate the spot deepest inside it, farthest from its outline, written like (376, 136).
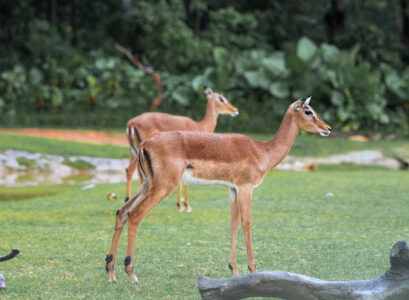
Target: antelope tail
(134, 139)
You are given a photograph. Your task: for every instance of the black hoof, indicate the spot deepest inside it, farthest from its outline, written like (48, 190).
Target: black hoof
(127, 262)
(230, 267)
(126, 199)
(108, 260)
(250, 269)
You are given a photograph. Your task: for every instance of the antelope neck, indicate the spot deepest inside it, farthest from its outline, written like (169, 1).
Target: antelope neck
(279, 145)
(209, 121)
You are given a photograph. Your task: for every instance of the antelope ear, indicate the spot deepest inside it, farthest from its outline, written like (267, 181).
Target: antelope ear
(297, 106)
(208, 92)
(306, 101)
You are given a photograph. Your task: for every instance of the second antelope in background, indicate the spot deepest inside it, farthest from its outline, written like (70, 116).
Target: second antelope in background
(148, 124)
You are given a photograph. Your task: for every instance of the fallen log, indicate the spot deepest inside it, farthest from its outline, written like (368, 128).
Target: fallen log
(11, 255)
(392, 285)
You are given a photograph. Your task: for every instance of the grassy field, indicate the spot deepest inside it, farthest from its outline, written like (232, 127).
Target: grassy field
(64, 232)
(64, 238)
(59, 147)
(28, 192)
(304, 145)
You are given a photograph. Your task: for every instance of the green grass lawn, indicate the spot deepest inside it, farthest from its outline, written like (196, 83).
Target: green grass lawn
(28, 192)
(64, 238)
(60, 147)
(304, 145)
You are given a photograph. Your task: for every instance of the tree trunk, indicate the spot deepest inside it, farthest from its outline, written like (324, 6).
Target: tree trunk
(52, 12)
(405, 19)
(393, 285)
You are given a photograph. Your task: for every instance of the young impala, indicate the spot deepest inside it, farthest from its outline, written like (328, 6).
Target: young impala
(148, 124)
(234, 160)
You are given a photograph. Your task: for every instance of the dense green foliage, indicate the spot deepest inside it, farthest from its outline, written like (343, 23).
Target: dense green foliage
(64, 238)
(58, 65)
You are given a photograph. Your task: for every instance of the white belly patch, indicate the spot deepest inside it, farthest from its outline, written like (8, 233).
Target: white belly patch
(189, 179)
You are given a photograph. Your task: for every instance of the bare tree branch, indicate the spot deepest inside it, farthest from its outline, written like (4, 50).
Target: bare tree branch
(13, 253)
(147, 69)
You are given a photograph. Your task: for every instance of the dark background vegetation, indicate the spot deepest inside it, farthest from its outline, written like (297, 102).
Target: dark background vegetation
(59, 67)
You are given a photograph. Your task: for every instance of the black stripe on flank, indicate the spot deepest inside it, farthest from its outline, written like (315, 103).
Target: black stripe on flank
(130, 138)
(148, 159)
(140, 163)
(138, 137)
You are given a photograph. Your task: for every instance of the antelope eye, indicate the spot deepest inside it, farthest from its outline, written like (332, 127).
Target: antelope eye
(222, 100)
(308, 112)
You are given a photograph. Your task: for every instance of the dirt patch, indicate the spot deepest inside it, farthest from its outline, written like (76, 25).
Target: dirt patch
(85, 136)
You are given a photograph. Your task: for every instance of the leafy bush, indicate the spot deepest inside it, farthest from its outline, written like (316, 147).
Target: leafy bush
(350, 93)
(59, 67)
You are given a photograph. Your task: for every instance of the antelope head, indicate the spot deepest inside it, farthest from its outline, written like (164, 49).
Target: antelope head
(222, 106)
(308, 119)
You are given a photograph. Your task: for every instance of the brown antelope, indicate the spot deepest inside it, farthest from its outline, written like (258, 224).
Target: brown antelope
(234, 160)
(148, 124)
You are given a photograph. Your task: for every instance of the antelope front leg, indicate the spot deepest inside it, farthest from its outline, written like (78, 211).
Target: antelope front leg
(188, 208)
(234, 227)
(142, 208)
(244, 197)
(179, 203)
(128, 262)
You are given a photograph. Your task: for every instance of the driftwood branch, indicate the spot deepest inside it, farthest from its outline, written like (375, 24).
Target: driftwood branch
(12, 254)
(392, 285)
(144, 66)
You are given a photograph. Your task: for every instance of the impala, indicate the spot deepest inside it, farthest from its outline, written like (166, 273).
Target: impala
(148, 124)
(234, 160)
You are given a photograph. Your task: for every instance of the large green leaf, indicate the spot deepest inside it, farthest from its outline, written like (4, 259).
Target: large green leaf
(306, 49)
(257, 79)
(197, 82)
(337, 98)
(295, 64)
(252, 78)
(181, 95)
(329, 53)
(279, 89)
(221, 56)
(275, 64)
(36, 76)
